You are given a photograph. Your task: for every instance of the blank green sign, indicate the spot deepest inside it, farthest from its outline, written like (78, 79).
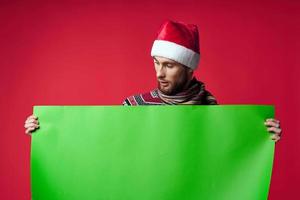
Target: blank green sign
(151, 153)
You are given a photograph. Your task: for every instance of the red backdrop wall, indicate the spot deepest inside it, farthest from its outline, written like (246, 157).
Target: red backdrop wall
(97, 53)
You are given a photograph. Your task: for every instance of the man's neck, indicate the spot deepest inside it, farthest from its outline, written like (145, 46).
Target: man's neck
(188, 83)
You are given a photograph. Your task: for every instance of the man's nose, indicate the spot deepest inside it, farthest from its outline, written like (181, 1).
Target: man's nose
(160, 72)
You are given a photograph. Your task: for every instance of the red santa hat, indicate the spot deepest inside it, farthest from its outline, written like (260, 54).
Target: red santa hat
(179, 42)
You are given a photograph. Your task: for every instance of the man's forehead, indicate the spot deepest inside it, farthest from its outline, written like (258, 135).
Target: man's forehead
(163, 59)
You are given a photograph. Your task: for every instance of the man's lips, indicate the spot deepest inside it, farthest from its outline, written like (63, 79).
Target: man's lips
(164, 83)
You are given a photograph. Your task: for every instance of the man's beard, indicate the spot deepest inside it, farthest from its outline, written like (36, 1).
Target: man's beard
(175, 87)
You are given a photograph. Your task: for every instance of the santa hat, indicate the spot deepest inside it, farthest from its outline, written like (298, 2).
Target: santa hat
(179, 42)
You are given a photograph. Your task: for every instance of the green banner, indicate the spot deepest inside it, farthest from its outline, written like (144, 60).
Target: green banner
(151, 153)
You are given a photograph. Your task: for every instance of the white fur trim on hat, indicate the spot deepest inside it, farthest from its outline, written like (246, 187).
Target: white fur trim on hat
(175, 52)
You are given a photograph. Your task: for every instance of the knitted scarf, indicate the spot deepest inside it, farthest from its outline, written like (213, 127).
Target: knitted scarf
(194, 94)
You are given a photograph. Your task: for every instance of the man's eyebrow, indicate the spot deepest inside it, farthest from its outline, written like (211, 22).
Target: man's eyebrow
(171, 62)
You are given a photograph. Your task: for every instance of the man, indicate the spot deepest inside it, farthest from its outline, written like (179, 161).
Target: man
(176, 55)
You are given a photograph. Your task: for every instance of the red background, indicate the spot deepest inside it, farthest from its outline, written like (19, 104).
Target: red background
(98, 53)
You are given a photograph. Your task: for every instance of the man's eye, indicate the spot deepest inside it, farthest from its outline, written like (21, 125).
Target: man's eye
(169, 66)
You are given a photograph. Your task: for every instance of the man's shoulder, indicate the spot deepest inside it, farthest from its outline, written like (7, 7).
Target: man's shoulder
(148, 98)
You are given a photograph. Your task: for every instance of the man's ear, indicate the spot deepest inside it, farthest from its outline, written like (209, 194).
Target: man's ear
(191, 71)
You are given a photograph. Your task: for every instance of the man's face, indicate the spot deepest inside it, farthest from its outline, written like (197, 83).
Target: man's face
(172, 76)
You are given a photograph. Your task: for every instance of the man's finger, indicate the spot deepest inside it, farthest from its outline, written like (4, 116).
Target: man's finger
(274, 130)
(272, 123)
(29, 125)
(29, 130)
(275, 137)
(273, 120)
(32, 120)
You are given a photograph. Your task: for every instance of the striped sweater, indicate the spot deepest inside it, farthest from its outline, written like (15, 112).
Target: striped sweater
(152, 98)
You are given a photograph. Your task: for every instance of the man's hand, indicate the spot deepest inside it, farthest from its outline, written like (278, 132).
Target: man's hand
(273, 126)
(31, 124)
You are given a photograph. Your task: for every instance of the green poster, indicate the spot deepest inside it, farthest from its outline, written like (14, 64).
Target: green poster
(151, 153)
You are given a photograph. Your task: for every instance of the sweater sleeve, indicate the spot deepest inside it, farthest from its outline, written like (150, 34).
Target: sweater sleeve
(126, 102)
(210, 99)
